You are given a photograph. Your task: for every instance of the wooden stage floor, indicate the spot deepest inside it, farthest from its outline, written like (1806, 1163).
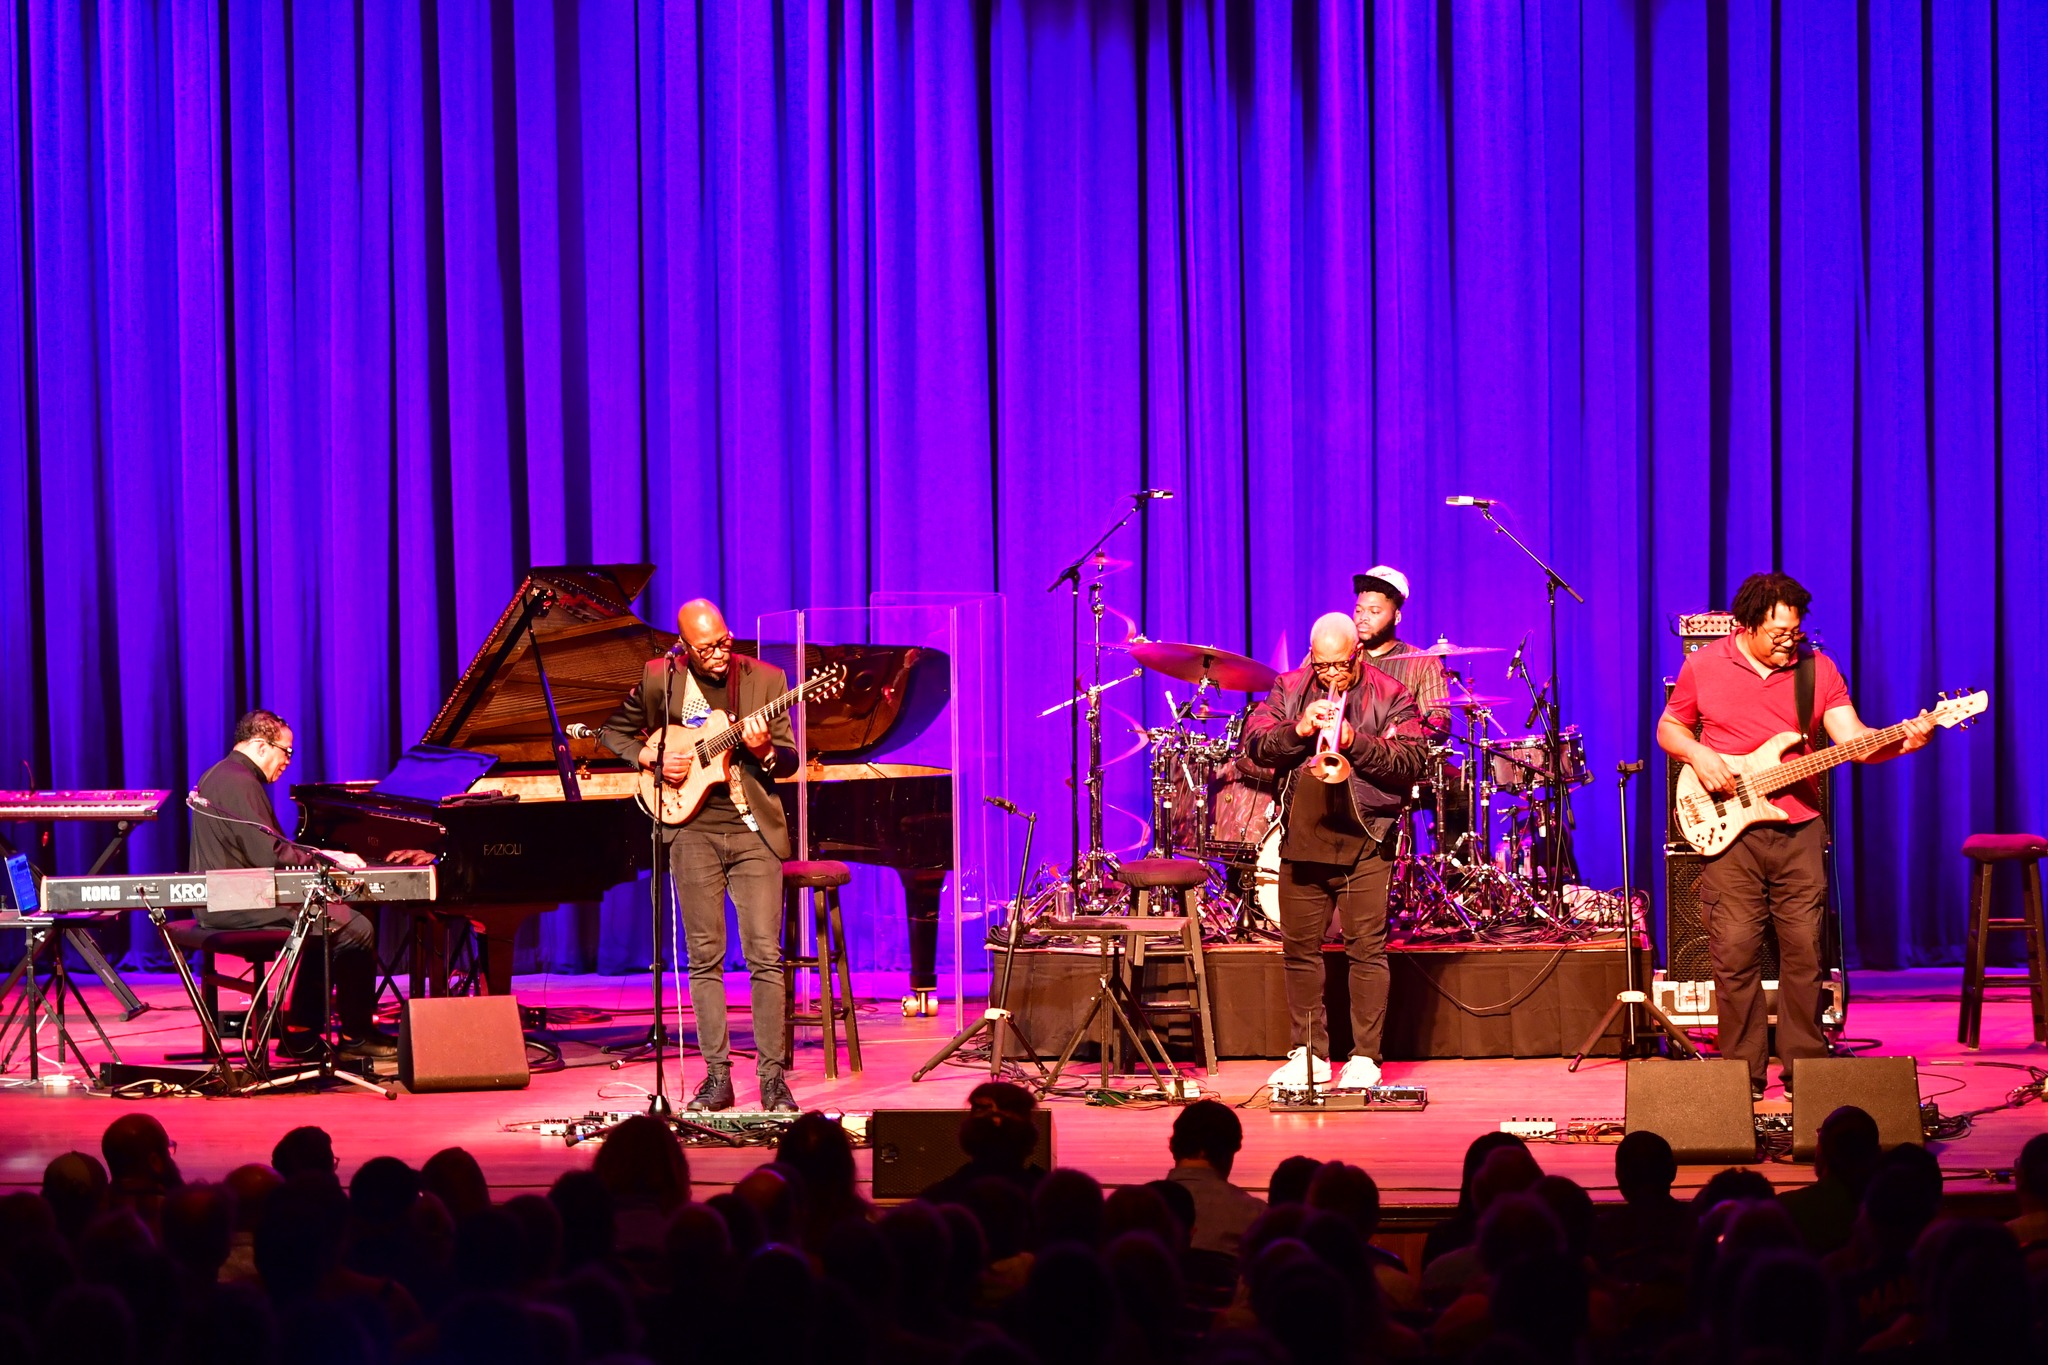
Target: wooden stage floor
(1414, 1156)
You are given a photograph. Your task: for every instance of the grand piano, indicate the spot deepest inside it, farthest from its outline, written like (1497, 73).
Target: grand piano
(484, 792)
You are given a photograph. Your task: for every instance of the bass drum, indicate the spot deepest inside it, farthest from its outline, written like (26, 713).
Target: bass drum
(1266, 877)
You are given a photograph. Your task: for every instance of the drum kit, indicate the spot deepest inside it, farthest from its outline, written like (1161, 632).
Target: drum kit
(1470, 846)
(1483, 845)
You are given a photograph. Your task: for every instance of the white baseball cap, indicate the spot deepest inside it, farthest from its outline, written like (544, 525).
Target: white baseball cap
(1382, 578)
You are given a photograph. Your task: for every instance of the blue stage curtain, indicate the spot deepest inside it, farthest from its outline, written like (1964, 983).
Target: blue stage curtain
(319, 321)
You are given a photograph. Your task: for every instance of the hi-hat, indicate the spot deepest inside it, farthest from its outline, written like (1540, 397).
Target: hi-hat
(1199, 663)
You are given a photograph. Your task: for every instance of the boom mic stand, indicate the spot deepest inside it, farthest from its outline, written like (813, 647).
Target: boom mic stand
(657, 1038)
(1548, 702)
(997, 1019)
(1085, 876)
(1632, 996)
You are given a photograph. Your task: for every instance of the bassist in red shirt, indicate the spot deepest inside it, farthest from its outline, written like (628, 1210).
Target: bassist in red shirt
(1731, 697)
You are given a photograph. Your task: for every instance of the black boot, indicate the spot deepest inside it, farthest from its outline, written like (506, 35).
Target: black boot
(775, 1096)
(714, 1093)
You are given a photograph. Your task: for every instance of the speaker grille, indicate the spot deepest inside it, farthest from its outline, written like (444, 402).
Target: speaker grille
(1686, 955)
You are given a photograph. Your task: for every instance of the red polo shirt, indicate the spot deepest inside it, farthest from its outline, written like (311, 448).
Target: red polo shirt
(1735, 708)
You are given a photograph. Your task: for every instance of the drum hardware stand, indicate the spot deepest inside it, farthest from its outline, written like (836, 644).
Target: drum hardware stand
(1086, 876)
(997, 1020)
(1632, 997)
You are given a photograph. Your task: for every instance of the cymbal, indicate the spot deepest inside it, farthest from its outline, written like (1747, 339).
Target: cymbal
(1444, 649)
(1475, 701)
(1193, 663)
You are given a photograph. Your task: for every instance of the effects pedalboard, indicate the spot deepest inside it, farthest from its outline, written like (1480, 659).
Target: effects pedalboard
(1563, 1130)
(1330, 1100)
(747, 1125)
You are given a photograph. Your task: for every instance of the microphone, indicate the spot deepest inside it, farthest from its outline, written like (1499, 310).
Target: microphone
(1144, 493)
(1515, 664)
(1464, 500)
(1001, 804)
(578, 730)
(195, 801)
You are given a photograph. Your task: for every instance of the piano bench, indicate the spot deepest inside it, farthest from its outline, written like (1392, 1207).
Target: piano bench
(256, 947)
(835, 1006)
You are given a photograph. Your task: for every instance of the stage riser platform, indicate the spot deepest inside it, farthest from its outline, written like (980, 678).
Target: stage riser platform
(1480, 1002)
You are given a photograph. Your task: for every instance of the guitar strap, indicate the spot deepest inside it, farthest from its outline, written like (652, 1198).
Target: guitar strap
(1802, 700)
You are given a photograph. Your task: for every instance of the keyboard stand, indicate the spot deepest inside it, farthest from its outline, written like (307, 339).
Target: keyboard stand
(42, 999)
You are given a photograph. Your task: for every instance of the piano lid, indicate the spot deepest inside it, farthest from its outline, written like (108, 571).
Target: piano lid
(594, 648)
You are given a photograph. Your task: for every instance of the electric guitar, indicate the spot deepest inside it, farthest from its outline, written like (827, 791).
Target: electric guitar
(709, 747)
(1710, 823)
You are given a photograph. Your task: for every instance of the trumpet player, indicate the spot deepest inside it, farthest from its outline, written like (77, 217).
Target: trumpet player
(1340, 737)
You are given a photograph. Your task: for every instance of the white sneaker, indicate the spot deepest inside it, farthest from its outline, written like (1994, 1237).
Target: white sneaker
(1360, 1073)
(1294, 1071)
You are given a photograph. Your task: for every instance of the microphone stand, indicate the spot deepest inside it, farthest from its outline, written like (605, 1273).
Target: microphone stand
(1632, 996)
(657, 1039)
(997, 1019)
(1550, 701)
(1085, 868)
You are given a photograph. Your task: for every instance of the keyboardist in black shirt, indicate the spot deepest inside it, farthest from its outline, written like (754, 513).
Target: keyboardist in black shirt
(238, 787)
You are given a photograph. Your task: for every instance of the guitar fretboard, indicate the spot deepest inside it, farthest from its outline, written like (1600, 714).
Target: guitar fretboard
(1794, 771)
(708, 749)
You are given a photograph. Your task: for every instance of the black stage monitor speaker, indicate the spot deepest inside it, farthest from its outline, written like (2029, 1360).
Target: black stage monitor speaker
(916, 1148)
(1886, 1088)
(462, 1042)
(1701, 1108)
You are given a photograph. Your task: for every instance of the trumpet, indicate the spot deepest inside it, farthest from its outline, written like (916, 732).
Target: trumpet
(1328, 764)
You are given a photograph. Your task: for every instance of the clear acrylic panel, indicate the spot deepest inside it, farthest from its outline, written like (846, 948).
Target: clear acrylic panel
(894, 772)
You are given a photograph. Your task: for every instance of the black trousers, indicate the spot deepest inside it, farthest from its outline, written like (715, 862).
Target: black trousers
(1308, 893)
(355, 965)
(707, 867)
(1775, 875)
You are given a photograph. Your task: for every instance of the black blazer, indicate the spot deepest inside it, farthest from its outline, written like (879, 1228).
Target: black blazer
(1385, 763)
(749, 686)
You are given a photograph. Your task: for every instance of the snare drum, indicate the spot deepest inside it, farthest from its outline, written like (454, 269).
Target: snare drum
(1517, 765)
(1240, 813)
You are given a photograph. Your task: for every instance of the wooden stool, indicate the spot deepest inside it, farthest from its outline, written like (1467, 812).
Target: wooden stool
(1173, 879)
(1984, 850)
(822, 880)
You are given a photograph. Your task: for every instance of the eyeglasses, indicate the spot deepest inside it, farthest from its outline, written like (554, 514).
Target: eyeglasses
(284, 749)
(719, 646)
(1321, 667)
(1783, 636)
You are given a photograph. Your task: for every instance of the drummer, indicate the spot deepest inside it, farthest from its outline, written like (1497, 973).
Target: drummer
(1382, 592)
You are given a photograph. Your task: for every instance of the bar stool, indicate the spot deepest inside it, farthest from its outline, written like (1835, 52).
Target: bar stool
(823, 880)
(1175, 880)
(1984, 851)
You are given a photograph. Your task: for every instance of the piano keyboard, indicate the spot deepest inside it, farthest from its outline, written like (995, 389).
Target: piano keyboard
(188, 889)
(81, 805)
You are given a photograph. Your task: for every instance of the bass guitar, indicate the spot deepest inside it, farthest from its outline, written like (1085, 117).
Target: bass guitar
(1710, 823)
(709, 747)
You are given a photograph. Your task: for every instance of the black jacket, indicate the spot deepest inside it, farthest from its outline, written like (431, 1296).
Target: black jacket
(235, 786)
(1385, 764)
(750, 685)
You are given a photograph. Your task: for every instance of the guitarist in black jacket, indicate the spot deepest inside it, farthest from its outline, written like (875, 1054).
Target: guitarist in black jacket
(735, 844)
(1334, 853)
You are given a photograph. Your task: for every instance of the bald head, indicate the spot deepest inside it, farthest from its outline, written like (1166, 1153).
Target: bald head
(701, 626)
(1333, 638)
